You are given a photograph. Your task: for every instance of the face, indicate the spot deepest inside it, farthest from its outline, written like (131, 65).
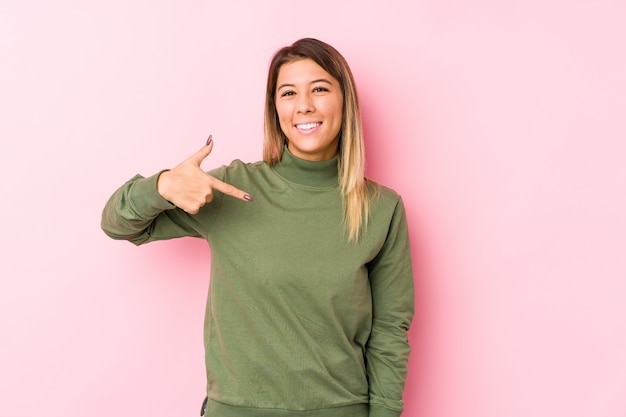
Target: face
(309, 103)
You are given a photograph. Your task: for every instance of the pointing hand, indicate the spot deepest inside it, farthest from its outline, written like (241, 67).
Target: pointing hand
(189, 187)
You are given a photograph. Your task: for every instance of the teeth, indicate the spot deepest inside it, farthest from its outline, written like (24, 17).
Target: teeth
(308, 126)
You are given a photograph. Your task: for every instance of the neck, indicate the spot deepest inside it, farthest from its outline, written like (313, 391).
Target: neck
(309, 173)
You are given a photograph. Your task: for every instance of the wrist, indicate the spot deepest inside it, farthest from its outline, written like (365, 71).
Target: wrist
(162, 183)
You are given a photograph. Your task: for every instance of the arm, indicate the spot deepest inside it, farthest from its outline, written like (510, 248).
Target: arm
(138, 213)
(161, 206)
(387, 350)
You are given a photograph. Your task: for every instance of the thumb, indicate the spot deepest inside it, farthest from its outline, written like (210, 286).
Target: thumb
(197, 158)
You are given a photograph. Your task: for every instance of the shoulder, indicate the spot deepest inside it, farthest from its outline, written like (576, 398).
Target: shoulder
(386, 205)
(381, 194)
(239, 168)
(239, 165)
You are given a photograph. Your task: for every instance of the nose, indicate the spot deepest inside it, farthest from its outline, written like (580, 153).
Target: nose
(305, 104)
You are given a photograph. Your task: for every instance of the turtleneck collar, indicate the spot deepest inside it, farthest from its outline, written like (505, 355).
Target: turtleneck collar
(308, 173)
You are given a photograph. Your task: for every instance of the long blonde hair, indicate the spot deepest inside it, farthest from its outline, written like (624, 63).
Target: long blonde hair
(354, 187)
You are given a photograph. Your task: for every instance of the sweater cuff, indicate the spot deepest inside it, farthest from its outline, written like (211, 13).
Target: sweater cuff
(146, 197)
(383, 412)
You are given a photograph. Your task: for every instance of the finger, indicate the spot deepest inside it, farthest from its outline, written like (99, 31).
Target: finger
(199, 156)
(230, 190)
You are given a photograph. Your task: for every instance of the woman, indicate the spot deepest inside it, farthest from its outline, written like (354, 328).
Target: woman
(311, 290)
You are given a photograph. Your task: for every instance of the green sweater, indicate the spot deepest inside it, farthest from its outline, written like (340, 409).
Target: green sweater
(299, 322)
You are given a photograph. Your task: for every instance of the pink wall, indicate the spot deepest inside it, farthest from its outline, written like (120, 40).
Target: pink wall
(501, 123)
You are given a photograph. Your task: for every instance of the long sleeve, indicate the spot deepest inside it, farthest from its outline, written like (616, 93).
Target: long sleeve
(387, 350)
(136, 212)
(298, 320)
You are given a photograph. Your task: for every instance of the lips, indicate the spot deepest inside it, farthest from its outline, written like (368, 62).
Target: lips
(308, 126)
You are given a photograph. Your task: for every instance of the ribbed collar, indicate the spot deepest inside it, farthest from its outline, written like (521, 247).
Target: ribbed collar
(308, 173)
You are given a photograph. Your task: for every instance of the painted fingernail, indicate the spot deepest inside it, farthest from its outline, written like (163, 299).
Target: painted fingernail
(209, 140)
(247, 197)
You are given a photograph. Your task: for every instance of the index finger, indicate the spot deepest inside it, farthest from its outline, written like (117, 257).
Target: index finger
(230, 190)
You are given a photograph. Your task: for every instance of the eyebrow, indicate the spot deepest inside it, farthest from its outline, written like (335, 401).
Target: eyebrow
(320, 80)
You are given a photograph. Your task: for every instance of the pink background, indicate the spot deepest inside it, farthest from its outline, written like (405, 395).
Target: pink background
(502, 123)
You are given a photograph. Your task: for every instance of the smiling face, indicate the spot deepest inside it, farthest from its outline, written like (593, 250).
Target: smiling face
(309, 104)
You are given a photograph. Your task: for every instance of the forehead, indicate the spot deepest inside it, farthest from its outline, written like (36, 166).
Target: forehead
(303, 71)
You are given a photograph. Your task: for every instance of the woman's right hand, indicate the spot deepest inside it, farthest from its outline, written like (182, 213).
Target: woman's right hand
(188, 187)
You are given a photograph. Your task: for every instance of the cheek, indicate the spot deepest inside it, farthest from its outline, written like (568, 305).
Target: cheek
(338, 112)
(283, 121)
(283, 114)
(337, 109)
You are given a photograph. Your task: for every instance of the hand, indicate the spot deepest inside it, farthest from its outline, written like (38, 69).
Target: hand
(189, 187)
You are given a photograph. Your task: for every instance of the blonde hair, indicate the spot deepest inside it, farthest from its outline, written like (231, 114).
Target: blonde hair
(351, 153)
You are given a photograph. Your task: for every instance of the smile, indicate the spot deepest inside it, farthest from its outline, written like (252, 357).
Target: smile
(308, 126)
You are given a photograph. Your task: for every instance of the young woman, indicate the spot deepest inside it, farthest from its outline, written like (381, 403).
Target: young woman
(311, 289)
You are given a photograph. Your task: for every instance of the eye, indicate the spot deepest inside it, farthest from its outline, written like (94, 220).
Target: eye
(287, 93)
(320, 89)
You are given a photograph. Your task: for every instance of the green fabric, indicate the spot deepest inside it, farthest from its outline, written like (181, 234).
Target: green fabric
(297, 318)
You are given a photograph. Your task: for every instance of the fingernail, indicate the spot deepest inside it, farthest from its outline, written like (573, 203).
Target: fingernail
(209, 140)
(247, 197)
